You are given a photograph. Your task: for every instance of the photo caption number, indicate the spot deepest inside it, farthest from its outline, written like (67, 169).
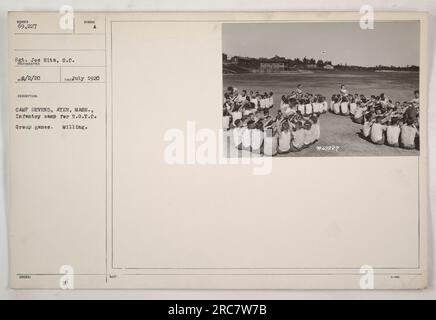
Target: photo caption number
(218, 310)
(239, 309)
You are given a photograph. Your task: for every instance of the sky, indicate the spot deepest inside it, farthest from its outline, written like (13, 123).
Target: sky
(389, 43)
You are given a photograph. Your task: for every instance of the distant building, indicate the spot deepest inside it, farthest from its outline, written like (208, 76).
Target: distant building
(311, 66)
(224, 57)
(269, 67)
(277, 58)
(243, 61)
(329, 67)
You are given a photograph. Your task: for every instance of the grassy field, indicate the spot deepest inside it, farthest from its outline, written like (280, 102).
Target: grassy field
(337, 131)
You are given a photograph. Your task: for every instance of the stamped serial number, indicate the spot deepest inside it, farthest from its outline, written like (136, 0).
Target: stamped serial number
(328, 148)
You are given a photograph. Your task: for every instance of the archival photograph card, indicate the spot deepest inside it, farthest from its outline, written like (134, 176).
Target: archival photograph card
(279, 150)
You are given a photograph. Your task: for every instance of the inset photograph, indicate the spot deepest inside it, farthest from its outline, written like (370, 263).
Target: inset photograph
(321, 89)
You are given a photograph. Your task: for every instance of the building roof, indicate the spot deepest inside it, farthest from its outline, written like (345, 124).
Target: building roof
(274, 62)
